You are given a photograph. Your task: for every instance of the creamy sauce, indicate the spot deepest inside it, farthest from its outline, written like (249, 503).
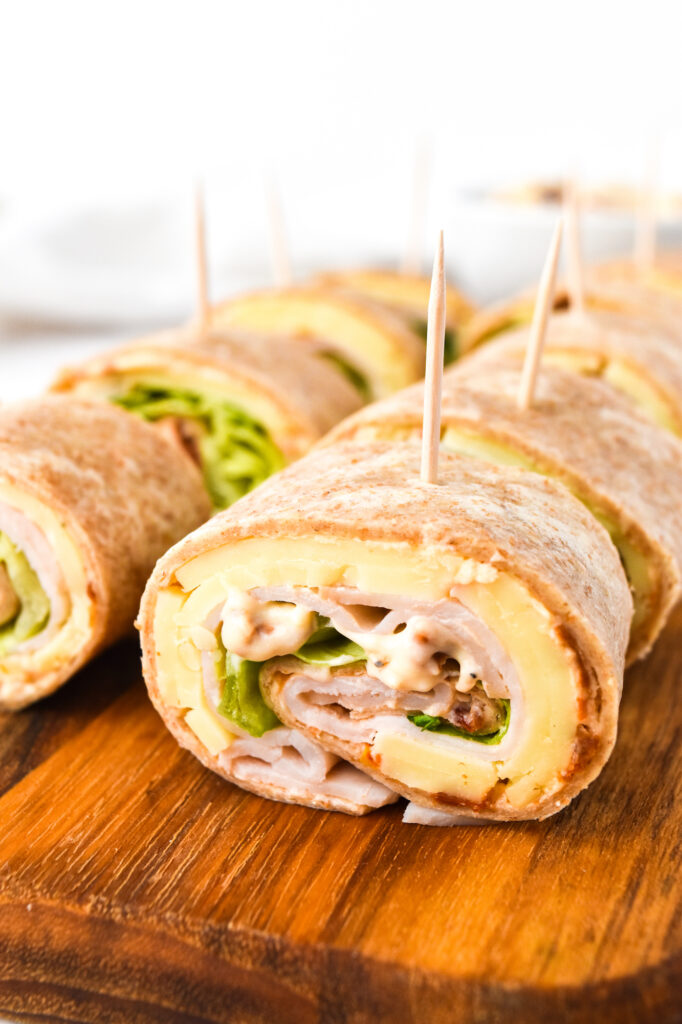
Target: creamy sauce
(259, 630)
(406, 660)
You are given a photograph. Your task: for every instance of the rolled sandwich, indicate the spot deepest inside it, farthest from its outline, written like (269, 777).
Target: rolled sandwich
(89, 499)
(372, 343)
(408, 295)
(462, 644)
(642, 363)
(623, 468)
(657, 309)
(661, 281)
(244, 406)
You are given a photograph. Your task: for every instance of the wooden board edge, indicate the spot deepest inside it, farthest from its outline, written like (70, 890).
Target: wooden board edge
(87, 964)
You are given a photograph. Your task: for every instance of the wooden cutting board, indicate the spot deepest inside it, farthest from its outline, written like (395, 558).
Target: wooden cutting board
(135, 886)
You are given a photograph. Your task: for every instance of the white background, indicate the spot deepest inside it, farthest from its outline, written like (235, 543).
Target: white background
(109, 112)
(102, 98)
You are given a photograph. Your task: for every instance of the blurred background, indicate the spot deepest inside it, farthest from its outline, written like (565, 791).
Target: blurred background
(110, 113)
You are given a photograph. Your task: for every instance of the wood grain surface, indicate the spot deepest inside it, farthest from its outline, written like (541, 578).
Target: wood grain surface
(136, 886)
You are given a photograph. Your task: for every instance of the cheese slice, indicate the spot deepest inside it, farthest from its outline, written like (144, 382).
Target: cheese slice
(387, 353)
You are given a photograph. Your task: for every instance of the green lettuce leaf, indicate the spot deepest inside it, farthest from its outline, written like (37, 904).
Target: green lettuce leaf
(34, 606)
(357, 379)
(450, 344)
(236, 451)
(327, 647)
(242, 701)
(430, 723)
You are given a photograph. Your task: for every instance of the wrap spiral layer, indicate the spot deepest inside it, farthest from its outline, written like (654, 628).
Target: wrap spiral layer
(243, 405)
(653, 297)
(374, 342)
(463, 644)
(90, 497)
(643, 364)
(626, 470)
(408, 295)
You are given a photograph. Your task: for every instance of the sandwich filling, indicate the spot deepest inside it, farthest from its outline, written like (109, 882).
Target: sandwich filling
(457, 686)
(24, 605)
(234, 450)
(46, 606)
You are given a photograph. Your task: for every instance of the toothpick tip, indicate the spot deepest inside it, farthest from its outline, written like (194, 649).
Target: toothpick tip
(433, 383)
(541, 315)
(203, 309)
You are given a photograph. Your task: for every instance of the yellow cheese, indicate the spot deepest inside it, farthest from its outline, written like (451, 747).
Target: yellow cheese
(76, 628)
(179, 678)
(483, 448)
(580, 361)
(189, 685)
(168, 667)
(422, 765)
(208, 731)
(549, 675)
(178, 658)
(635, 386)
(392, 568)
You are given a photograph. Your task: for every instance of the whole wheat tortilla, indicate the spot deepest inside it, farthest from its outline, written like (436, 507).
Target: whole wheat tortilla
(578, 430)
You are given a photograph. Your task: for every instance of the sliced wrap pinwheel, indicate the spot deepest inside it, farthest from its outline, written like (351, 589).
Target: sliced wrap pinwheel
(461, 643)
(90, 497)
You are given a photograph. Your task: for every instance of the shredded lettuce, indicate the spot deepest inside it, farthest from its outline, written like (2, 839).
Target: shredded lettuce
(327, 647)
(450, 345)
(242, 701)
(236, 451)
(33, 604)
(431, 723)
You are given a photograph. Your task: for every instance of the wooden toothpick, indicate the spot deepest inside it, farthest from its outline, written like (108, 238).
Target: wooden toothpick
(412, 261)
(645, 217)
(203, 309)
(575, 274)
(541, 314)
(433, 383)
(279, 243)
